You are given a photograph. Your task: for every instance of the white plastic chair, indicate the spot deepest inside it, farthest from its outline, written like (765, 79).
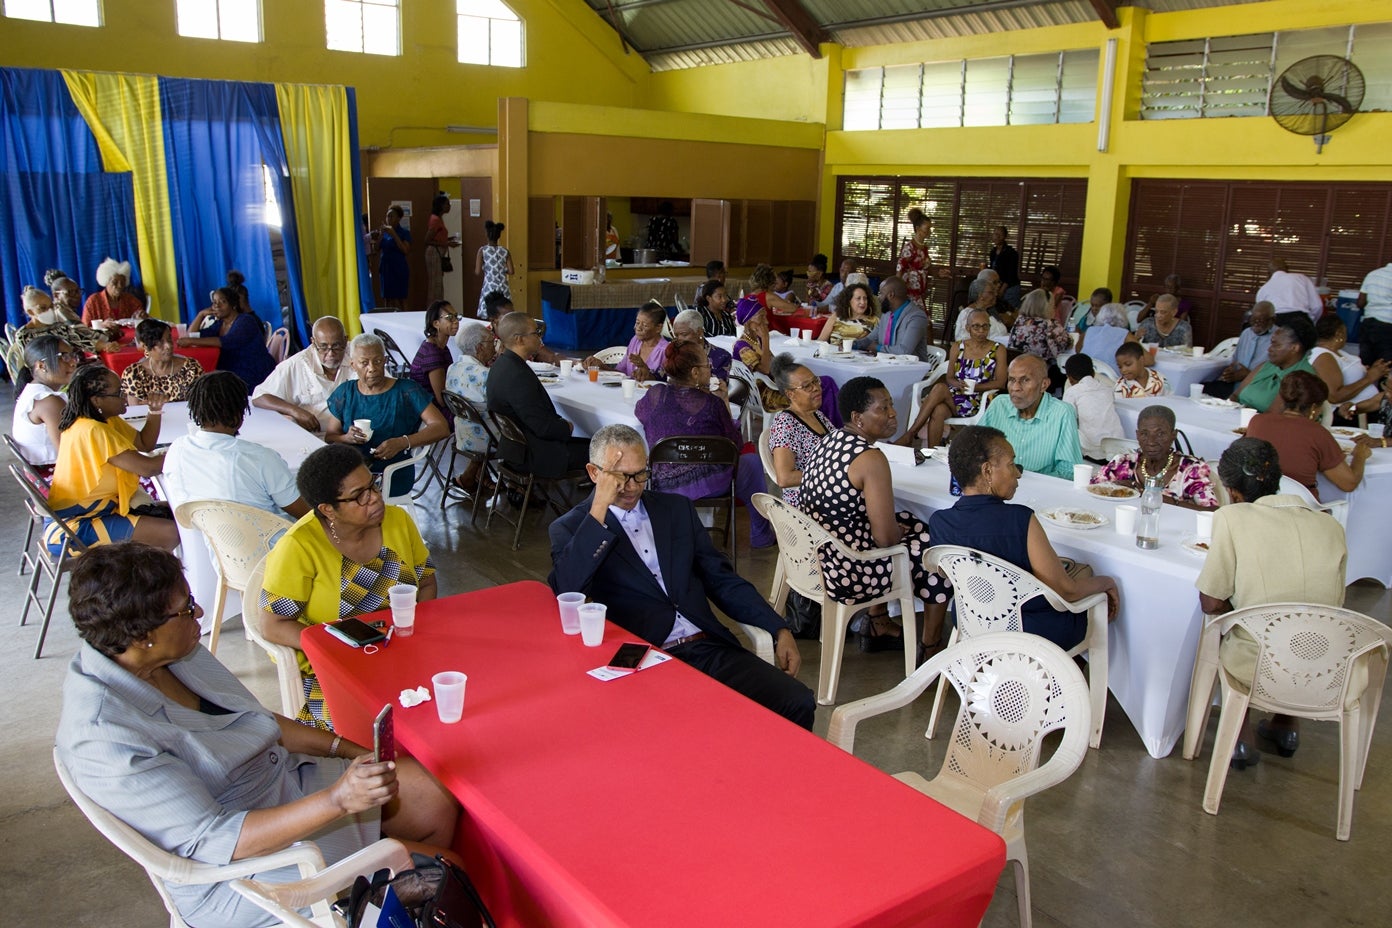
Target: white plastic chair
(990, 593)
(920, 390)
(1103, 369)
(419, 460)
(164, 868)
(611, 355)
(239, 537)
(1113, 446)
(960, 421)
(283, 900)
(1133, 312)
(936, 355)
(285, 658)
(278, 344)
(1338, 508)
(1314, 662)
(1225, 348)
(753, 407)
(800, 539)
(1014, 690)
(766, 458)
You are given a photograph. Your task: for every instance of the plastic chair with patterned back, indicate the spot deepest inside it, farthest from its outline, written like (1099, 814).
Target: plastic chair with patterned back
(286, 659)
(611, 355)
(1313, 662)
(1014, 690)
(1113, 446)
(800, 539)
(753, 401)
(1224, 349)
(990, 593)
(1338, 508)
(283, 900)
(46, 561)
(239, 536)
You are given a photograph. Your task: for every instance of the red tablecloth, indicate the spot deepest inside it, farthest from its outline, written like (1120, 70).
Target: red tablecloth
(118, 361)
(662, 798)
(785, 324)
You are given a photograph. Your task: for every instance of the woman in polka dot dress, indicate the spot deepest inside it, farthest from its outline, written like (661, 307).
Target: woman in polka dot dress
(848, 489)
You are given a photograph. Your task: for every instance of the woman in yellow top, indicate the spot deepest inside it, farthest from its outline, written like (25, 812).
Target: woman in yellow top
(339, 560)
(100, 463)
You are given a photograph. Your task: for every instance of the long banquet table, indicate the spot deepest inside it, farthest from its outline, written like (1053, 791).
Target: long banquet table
(408, 329)
(663, 798)
(1210, 430)
(1152, 643)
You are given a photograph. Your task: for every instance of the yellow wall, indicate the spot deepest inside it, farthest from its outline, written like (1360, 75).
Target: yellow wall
(402, 101)
(792, 88)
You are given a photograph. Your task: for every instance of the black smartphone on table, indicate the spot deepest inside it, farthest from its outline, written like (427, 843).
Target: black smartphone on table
(355, 632)
(628, 656)
(383, 736)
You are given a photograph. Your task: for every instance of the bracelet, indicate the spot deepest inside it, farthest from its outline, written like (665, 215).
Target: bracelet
(333, 748)
(153, 412)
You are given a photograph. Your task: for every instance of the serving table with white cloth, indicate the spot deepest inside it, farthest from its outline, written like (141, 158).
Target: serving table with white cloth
(1181, 371)
(1152, 643)
(1210, 429)
(408, 330)
(261, 426)
(899, 377)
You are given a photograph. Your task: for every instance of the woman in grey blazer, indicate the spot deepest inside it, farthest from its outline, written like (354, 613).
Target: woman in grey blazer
(159, 733)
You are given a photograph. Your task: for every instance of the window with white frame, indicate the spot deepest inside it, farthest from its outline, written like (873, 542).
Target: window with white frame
(489, 33)
(1233, 75)
(1057, 87)
(68, 12)
(369, 26)
(229, 20)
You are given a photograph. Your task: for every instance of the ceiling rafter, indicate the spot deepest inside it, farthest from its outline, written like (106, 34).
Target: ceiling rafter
(1107, 12)
(800, 25)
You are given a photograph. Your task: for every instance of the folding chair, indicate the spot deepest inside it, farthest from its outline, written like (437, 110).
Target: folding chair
(54, 565)
(522, 480)
(705, 450)
(397, 362)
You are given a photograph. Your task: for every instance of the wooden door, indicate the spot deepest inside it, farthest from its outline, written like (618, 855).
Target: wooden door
(475, 207)
(710, 231)
(417, 192)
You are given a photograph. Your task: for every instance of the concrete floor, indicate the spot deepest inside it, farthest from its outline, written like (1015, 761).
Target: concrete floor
(1123, 842)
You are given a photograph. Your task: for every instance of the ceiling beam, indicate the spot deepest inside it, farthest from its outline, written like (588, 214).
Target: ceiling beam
(804, 29)
(1106, 11)
(944, 13)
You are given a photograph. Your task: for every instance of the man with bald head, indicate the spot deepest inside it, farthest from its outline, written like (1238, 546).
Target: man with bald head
(299, 387)
(514, 391)
(903, 325)
(1042, 430)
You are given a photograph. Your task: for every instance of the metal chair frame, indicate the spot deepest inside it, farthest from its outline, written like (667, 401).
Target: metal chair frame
(54, 565)
(523, 480)
(703, 449)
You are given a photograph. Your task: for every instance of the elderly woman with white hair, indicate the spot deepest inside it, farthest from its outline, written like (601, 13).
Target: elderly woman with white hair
(1106, 333)
(468, 377)
(690, 326)
(113, 301)
(982, 295)
(402, 416)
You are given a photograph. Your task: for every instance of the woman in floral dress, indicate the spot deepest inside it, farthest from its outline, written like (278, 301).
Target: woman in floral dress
(915, 266)
(1187, 481)
(976, 358)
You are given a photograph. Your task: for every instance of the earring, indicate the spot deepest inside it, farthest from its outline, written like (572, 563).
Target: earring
(333, 531)
(149, 644)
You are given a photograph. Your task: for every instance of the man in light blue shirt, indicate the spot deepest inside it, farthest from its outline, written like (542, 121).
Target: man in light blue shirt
(1042, 430)
(1250, 352)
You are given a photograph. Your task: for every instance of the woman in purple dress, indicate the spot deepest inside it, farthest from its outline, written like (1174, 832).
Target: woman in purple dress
(643, 360)
(432, 360)
(685, 405)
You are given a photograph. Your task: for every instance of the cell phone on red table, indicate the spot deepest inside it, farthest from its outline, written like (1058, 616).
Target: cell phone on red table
(628, 656)
(383, 736)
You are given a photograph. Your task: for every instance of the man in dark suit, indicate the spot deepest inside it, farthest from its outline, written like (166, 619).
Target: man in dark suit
(514, 391)
(647, 557)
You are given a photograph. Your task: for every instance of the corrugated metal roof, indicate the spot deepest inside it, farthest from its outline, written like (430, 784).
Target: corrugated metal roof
(673, 34)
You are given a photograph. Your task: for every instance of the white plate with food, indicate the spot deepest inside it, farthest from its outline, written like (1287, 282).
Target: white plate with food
(1196, 546)
(542, 367)
(1081, 519)
(1217, 402)
(611, 376)
(1344, 431)
(1113, 492)
(549, 380)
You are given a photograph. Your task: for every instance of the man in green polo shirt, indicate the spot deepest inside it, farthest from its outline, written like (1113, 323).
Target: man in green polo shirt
(1042, 430)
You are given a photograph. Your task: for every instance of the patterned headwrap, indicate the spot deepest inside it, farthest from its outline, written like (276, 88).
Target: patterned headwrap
(746, 309)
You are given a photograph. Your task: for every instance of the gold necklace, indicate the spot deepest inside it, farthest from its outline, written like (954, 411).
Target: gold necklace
(1146, 475)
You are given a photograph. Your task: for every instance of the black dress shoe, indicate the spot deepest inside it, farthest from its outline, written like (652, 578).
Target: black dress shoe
(1244, 756)
(1285, 740)
(869, 644)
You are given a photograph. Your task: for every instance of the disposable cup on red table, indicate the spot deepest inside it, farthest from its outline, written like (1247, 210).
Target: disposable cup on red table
(592, 624)
(448, 686)
(403, 609)
(570, 604)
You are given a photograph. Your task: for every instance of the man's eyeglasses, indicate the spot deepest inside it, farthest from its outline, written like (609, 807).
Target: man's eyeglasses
(335, 348)
(638, 477)
(188, 612)
(363, 496)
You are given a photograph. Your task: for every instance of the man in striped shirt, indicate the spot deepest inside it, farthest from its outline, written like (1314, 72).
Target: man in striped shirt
(1042, 430)
(1375, 331)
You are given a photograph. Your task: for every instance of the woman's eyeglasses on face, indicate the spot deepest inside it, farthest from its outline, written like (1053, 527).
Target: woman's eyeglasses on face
(68, 356)
(188, 612)
(363, 496)
(808, 385)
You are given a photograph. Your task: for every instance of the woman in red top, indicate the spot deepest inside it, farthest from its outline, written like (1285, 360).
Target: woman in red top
(1305, 448)
(915, 266)
(113, 301)
(437, 246)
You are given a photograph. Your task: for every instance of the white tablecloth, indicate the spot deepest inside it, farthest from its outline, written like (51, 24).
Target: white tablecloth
(898, 377)
(591, 406)
(408, 330)
(261, 426)
(1369, 531)
(1182, 371)
(1152, 643)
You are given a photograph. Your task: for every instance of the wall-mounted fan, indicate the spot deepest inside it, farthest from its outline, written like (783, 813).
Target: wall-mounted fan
(1317, 95)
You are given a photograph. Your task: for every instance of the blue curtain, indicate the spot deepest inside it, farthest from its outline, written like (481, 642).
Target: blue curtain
(58, 207)
(217, 136)
(364, 277)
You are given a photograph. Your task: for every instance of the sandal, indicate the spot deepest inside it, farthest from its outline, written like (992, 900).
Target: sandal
(876, 640)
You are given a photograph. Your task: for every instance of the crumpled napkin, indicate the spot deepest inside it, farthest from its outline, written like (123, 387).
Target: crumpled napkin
(414, 697)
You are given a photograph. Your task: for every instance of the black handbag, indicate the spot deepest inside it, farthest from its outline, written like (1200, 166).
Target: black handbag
(436, 894)
(803, 615)
(446, 265)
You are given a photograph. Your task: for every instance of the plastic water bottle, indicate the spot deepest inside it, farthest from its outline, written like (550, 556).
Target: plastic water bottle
(1148, 525)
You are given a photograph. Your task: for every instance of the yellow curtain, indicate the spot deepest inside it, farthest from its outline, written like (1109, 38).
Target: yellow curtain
(123, 112)
(314, 124)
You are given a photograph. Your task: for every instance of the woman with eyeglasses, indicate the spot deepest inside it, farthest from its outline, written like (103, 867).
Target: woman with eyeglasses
(976, 360)
(402, 415)
(49, 366)
(101, 459)
(161, 370)
(162, 735)
(433, 358)
(339, 560)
